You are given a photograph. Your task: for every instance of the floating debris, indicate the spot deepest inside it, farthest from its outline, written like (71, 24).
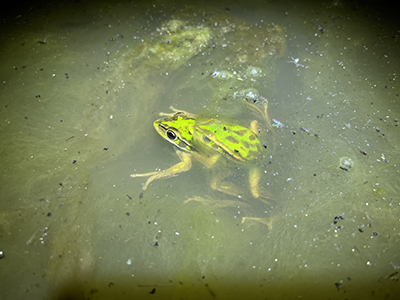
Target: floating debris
(391, 275)
(335, 219)
(304, 129)
(346, 163)
(30, 240)
(369, 219)
(277, 124)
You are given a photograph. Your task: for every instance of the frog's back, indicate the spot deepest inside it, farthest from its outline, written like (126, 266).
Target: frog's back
(230, 139)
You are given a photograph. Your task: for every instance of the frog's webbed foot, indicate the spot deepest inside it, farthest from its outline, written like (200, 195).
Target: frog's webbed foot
(266, 221)
(215, 202)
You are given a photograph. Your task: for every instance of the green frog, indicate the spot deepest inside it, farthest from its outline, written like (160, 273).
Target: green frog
(207, 141)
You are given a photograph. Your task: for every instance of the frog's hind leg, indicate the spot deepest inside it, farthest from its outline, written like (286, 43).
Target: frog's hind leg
(229, 188)
(266, 116)
(254, 181)
(263, 113)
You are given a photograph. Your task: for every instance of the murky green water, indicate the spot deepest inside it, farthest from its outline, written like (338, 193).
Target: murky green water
(82, 84)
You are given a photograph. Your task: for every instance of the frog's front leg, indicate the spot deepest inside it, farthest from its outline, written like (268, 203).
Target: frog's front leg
(206, 160)
(175, 111)
(184, 165)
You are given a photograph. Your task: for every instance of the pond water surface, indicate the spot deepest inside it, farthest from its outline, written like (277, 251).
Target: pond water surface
(82, 83)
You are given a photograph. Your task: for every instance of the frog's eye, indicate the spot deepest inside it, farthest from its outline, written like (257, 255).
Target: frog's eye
(171, 135)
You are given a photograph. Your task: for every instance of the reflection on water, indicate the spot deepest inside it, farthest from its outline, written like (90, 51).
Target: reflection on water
(82, 84)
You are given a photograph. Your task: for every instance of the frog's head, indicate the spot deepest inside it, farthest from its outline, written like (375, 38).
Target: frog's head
(177, 130)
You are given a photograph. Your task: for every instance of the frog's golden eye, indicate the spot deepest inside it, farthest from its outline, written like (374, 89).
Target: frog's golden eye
(171, 135)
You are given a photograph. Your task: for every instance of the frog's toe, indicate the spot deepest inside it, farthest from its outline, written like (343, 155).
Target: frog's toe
(215, 202)
(266, 221)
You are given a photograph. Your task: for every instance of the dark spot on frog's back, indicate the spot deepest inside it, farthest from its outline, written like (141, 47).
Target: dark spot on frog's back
(232, 140)
(241, 132)
(252, 137)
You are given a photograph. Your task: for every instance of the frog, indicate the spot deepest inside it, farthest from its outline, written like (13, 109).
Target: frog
(208, 140)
